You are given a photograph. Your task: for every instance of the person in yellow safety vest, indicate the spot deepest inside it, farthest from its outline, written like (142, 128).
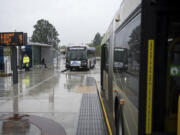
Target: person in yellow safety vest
(26, 62)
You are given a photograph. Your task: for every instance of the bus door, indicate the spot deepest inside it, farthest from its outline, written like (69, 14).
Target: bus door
(102, 63)
(166, 75)
(173, 76)
(173, 85)
(104, 69)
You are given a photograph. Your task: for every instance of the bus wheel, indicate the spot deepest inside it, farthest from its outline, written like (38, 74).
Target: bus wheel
(119, 123)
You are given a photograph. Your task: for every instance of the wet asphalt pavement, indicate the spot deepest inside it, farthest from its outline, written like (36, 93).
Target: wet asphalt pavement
(50, 94)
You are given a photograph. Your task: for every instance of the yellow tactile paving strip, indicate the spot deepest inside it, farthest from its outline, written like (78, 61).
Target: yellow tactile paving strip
(86, 89)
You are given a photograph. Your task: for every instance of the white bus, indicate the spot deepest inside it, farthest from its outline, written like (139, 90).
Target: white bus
(80, 57)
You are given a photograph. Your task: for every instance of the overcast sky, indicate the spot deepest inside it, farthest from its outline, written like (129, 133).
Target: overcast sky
(77, 21)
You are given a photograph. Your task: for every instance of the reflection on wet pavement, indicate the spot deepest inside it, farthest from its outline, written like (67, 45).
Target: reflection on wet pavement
(18, 128)
(49, 94)
(86, 89)
(29, 125)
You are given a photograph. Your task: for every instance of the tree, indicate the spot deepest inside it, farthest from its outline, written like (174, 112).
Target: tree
(97, 39)
(63, 47)
(90, 44)
(134, 43)
(44, 32)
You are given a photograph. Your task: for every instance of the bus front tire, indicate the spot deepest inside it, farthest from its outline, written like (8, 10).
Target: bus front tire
(119, 121)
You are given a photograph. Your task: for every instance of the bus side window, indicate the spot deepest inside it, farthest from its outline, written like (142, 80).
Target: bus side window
(120, 59)
(89, 54)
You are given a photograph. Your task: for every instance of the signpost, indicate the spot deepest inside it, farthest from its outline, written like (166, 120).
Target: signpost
(13, 39)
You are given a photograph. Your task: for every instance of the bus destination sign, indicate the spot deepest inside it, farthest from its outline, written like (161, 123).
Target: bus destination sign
(11, 39)
(76, 48)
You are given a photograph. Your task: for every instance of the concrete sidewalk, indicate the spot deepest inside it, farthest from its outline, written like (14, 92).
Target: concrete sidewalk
(48, 94)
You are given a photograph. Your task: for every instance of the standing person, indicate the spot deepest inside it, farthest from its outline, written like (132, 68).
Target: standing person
(43, 63)
(26, 62)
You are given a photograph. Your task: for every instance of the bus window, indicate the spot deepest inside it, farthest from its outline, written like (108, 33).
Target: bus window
(120, 59)
(89, 54)
(106, 60)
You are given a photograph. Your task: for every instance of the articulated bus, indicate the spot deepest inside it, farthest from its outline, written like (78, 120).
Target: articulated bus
(78, 57)
(140, 68)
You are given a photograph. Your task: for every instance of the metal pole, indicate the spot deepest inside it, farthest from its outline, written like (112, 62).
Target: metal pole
(57, 61)
(20, 57)
(14, 65)
(15, 100)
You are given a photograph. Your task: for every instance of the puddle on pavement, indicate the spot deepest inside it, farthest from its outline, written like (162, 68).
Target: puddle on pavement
(29, 125)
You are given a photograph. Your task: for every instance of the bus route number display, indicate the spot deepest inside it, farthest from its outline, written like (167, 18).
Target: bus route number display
(11, 39)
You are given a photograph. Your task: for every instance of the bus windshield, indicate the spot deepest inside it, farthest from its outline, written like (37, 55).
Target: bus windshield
(76, 55)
